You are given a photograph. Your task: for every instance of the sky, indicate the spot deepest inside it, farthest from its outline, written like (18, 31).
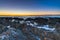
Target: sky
(19, 6)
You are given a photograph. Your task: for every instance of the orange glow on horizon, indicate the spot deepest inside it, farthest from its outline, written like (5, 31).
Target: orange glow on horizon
(5, 13)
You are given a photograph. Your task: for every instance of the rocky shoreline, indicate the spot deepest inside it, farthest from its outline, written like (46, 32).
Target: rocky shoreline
(29, 28)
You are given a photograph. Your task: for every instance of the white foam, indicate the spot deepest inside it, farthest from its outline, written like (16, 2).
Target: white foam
(35, 23)
(13, 20)
(46, 27)
(8, 26)
(21, 22)
(31, 24)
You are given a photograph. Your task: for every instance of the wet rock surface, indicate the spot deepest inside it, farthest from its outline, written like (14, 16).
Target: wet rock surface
(35, 28)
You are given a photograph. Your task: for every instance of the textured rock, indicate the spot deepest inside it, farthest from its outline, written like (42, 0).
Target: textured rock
(18, 28)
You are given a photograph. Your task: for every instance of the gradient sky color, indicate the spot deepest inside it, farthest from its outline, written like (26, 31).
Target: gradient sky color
(19, 6)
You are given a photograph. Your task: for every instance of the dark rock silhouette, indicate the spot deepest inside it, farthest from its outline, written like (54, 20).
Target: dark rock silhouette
(41, 20)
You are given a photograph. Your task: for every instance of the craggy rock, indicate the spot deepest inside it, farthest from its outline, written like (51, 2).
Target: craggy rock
(35, 28)
(41, 20)
(29, 19)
